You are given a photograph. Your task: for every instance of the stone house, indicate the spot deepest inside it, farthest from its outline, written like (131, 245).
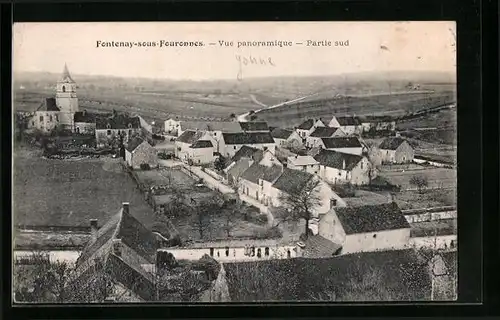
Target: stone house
(171, 126)
(350, 125)
(341, 168)
(396, 150)
(46, 116)
(378, 123)
(85, 122)
(139, 152)
(366, 228)
(109, 128)
(350, 145)
(183, 150)
(307, 127)
(314, 139)
(212, 128)
(232, 142)
(303, 163)
(201, 152)
(285, 138)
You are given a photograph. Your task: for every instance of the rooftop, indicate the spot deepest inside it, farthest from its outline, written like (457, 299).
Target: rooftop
(84, 116)
(391, 143)
(302, 160)
(279, 133)
(341, 142)
(190, 136)
(306, 125)
(371, 218)
(257, 171)
(247, 138)
(254, 126)
(247, 152)
(134, 143)
(292, 180)
(202, 144)
(118, 121)
(336, 159)
(224, 126)
(48, 104)
(349, 121)
(323, 132)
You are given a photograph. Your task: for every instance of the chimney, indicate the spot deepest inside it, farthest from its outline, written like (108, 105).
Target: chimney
(343, 164)
(117, 247)
(93, 229)
(125, 207)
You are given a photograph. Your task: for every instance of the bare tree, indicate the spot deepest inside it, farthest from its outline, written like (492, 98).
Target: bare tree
(203, 216)
(301, 201)
(420, 182)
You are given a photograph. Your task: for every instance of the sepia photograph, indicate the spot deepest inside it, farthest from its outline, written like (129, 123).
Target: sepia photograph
(183, 162)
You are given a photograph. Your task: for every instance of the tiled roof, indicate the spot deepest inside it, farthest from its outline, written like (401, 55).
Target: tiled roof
(341, 142)
(319, 247)
(223, 126)
(391, 143)
(371, 218)
(202, 144)
(306, 125)
(49, 104)
(400, 273)
(257, 171)
(84, 116)
(190, 136)
(349, 121)
(244, 152)
(279, 133)
(302, 160)
(254, 126)
(336, 159)
(239, 167)
(247, 138)
(119, 121)
(323, 132)
(292, 180)
(134, 143)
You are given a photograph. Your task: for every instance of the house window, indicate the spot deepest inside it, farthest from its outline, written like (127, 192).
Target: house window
(288, 253)
(252, 252)
(261, 183)
(234, 252)
(340, 173)
(333, 203)
(266, 251)
(218, 254)
(130, 125)
(234, 147)
(130, 132)
(108, 132)
(77, 130)
(41, 118)
(375, 235)
(50, 118)
(64, 89)
(211, 252)
(259, 253)
(227, 251)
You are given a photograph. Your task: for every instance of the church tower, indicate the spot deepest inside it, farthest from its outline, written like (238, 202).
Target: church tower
(66, 99)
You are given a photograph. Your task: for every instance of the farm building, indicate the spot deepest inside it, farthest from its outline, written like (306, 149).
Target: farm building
(378, 123)
(232, 142)
(212, 128)
(116, 126)
(307, 127)
(350, 124)
(254, 126)
(373, 276)
(85, 122)
(241, 161)
(340, 168)
(286, 138)
(396, 150)
(123, 250)
(171, 126)
(183, 144)
(201, 152)
(314, 139)
(139, 152)
(350, 145)
(293, 182)
(366, 228)
(303, 163)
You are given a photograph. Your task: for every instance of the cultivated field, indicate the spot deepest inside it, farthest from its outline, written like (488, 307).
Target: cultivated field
(62, 193)
(426, 199)
(436, 177)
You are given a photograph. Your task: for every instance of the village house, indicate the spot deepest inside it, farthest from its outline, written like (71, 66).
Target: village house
(396, 150)
(350, 125)
(374, 276)
(171, 126)
(350, 145)
(201, 152)
(341, 168)
(378, 123)
(254, 126)
(85, 122)
(212, 128)
(139, 152)
(123, 250)
(366, 228)
(293, 182)
(46, 117)
(240, 162)
(116, 126)
(236, 250)
(307, 127)
(286, 138)
(183, 150)
(232, 142)
(314, 139)
(256, 182)
(303, 163)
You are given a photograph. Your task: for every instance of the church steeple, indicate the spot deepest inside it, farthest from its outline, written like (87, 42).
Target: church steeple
(66, 77)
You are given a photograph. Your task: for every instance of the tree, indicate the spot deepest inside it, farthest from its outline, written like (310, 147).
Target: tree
(202, 217)
(301, 200)
(420, 182)
(253, 117)
(232, 116)
(220, 163)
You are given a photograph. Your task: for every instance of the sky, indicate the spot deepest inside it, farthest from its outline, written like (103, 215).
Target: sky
(373, 46)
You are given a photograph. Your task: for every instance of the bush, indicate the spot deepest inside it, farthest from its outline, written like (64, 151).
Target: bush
(256, 217)
(270, 233)
(145, 166)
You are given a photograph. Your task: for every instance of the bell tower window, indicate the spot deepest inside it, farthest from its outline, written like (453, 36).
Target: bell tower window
(64, 88)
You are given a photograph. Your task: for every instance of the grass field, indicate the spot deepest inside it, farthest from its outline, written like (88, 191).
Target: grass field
(436, 177)
(426, 199)
(70, 193)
